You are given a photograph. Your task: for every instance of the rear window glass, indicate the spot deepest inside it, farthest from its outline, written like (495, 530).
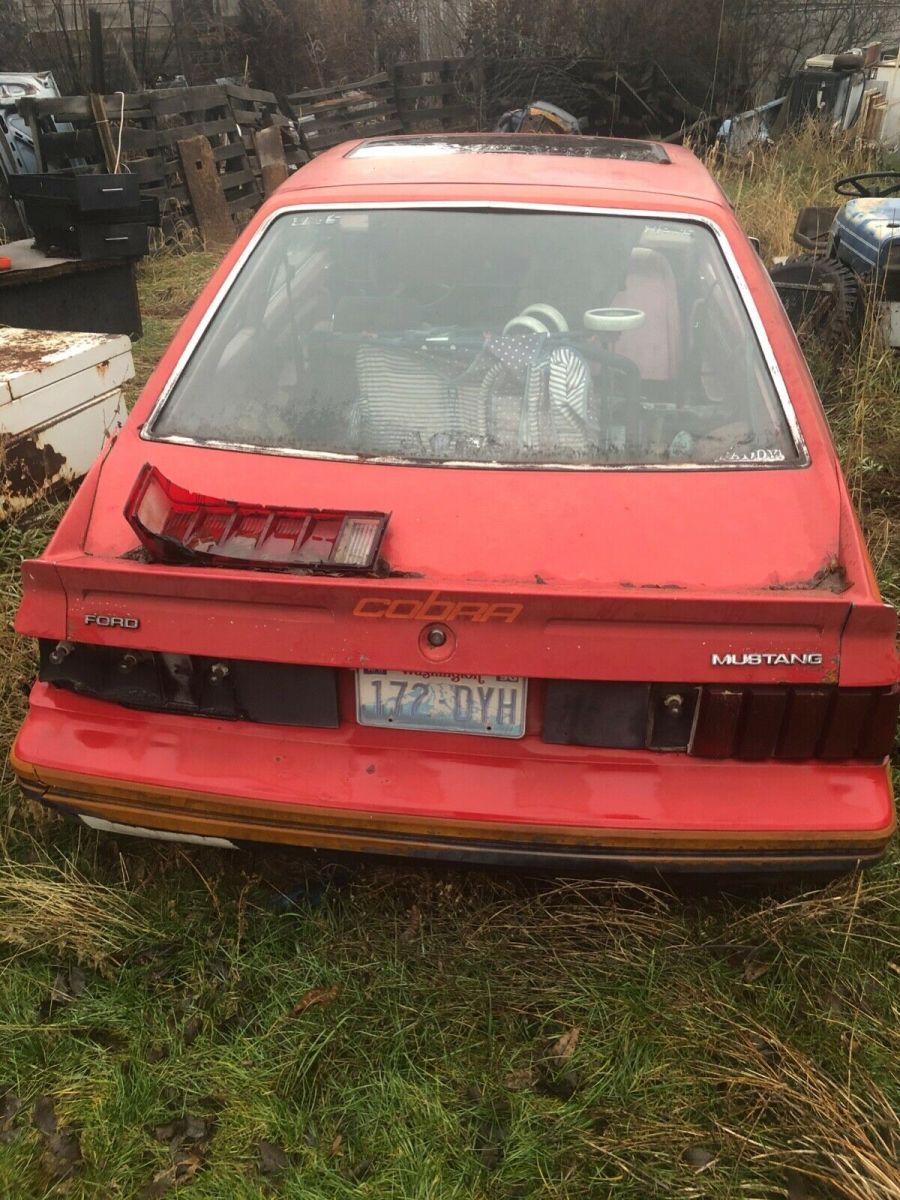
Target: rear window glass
(484, 337)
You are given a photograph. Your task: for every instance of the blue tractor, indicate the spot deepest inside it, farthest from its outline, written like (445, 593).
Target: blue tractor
(852, 264)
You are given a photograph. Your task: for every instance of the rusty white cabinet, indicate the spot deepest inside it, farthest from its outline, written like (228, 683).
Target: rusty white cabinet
(60, 399)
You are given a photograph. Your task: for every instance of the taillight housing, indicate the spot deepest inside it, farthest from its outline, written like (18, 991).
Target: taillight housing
(796, 723)
(195, 685)
(179, 526)
(749, 723)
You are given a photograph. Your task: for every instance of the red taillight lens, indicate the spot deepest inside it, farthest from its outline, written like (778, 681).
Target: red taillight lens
(176, 525)
(755, 723)
(715, 734)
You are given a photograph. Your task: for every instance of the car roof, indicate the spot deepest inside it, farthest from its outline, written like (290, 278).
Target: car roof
(495, 163)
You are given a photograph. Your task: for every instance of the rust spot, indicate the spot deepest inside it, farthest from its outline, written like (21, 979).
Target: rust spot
(103, 368)
(26, 465)
(830, 578)
(28, 349)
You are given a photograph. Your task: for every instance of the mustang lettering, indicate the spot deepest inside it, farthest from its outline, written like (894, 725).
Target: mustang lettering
(767, 660)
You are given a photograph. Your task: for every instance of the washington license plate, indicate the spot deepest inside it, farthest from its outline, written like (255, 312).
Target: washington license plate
(490, 705)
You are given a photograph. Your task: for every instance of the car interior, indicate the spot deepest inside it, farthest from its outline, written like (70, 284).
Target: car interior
(485, 337)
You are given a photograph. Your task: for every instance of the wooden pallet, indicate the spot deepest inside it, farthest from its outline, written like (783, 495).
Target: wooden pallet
(181, 113)
(346, 111)
(255, 110)
(149, 127)
(440, 93)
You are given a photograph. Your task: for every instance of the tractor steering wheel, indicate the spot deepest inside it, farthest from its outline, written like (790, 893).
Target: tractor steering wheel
(864, 185)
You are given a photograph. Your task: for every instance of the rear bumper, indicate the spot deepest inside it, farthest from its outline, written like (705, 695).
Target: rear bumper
(446, 796)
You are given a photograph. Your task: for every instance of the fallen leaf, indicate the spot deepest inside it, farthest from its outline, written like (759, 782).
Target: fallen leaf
(76, 982)
(182, 1129)
(360, 1170)
(834, 1003)
(303, 895)
(10, 1106)
(68, 984)
(165, 1133)
(190, 1031)
(797, 1185)
(755, 968)
(562, 1086)
(43, 1116)
(61, 1154)
(272, 1158)
(181, 1171)
(698, 1157)
(410, 930)
(489, 1144)
(564, 1047)
(520, 1080)
(316, 995)
(337, 1146)
(108, 1039)
(195, 1128)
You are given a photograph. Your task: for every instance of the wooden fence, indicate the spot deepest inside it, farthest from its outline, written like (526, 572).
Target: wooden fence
(332, 115)
(140, 132)
(444, 93)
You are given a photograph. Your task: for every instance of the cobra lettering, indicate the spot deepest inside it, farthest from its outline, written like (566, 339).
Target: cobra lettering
(437, 608)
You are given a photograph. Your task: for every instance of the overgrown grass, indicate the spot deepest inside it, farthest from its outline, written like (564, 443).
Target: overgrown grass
(268, 1024)
(860, 387)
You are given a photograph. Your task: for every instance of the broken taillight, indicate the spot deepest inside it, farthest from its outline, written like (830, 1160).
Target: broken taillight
(751, 723)
(177, 525)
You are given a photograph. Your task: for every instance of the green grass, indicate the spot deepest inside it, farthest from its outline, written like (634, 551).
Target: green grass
(737, 1043)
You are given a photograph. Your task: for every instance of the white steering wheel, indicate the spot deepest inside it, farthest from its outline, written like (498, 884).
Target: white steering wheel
(614, 320)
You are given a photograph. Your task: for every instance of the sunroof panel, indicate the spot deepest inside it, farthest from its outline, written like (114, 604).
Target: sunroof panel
(517, 143)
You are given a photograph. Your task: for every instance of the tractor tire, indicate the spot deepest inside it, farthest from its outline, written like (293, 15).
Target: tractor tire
(821, 297)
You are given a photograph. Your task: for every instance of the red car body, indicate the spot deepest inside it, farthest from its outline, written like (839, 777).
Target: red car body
(748, 591)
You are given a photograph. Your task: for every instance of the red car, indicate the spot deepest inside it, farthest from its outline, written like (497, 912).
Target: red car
(482, 508)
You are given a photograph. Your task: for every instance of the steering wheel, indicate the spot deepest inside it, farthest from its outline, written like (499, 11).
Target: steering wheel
(864, 185)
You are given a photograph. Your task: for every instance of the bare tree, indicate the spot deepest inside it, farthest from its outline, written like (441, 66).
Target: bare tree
(16, 55)
(782, 34)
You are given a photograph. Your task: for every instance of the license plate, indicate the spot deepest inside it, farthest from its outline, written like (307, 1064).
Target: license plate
(489, 705)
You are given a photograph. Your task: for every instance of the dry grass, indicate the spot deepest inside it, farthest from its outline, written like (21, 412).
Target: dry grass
(771, 184)
(171, 279)
(53, 908)
(859, 384)
(784, 1111)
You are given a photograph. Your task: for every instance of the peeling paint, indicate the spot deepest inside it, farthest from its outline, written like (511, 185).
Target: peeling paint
(28, 466)
(23, 351)
(831, 577)
(60, 401)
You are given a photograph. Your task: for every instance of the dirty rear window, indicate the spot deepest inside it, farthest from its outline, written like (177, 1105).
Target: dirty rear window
(484, 337)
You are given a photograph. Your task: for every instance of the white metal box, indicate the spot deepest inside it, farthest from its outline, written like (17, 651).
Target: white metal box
(60, 399)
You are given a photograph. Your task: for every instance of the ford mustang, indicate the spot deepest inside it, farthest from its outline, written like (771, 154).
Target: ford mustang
(483, 507)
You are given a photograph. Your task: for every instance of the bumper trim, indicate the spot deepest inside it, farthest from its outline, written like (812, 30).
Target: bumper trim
(152, 811)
